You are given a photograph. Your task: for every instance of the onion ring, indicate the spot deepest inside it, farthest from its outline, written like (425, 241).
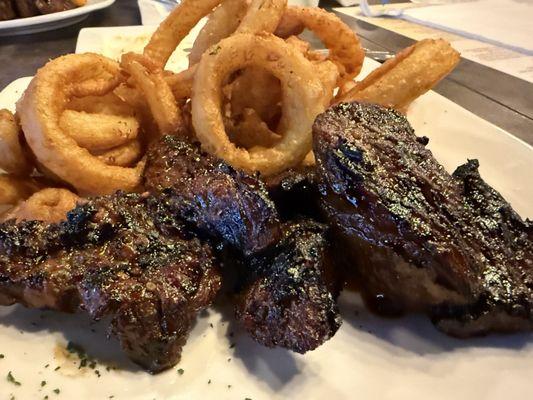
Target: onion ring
(158, 95)
(40, 110)
(109, 104)
(258, 90)
(15, 189)
(175, 27)
(181, 83)
(303, 100)
(262, 16)
(48, 205)
(289, 26)
(98, 131)
(344, 45)
(410, 74)
(13, 158)
(124, 155)
(221, 23)
(251, 131)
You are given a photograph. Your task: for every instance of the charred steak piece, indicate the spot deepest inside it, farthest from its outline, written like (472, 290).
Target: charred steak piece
(421, 239)
(290, 298)
(114, 256)
(7, 10)
(211, 196)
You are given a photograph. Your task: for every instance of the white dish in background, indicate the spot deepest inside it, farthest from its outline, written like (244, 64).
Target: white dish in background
(48, 22)
(369, 358)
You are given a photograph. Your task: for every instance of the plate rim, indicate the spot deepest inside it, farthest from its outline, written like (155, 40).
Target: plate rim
(48, 18)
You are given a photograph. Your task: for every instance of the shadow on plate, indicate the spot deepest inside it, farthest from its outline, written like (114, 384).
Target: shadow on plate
(78, 329)
(416, 334)
(275, 367)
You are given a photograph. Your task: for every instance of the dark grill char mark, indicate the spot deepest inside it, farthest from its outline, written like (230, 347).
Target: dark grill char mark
(423, 240)
(289, 300)
(233, 208)
(114, 256)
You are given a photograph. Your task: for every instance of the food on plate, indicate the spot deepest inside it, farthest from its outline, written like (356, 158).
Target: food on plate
(40, 110)
(152, 84)
(221, 23)
(345, 50)
(288, 299)
(288, 277)
(26, 8)
(289, 26)
(421, 239)
(48, 205)
(14, 189)
(53, 6)
(401, 80)
(222, 153)
(249, 130)
(304, 98)
(126, 155)
(13, 158)
(295, 192)
(7, 10)
(98, 131)
(140, 285)
(221, 202)
(11, 9)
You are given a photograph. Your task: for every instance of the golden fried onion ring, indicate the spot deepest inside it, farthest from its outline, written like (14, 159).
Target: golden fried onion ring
(303, 100)
(98, 131)
(123, 156)
(14, 189)
(345, 49)
(221, 23)
(262, 16)
(40, 110)
(13, 158)
(151, 82)
(48, 205)
(409, 75)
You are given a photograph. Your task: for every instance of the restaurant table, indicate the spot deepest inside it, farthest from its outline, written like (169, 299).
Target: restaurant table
(504, 100)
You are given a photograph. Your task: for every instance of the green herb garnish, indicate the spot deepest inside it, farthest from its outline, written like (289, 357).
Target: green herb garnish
(11, 379)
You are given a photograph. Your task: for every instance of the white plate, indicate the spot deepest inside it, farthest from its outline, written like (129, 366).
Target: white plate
(48, 22)
(115, 41)
(369, 358)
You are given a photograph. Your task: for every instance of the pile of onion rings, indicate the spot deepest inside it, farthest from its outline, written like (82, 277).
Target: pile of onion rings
(250, 96)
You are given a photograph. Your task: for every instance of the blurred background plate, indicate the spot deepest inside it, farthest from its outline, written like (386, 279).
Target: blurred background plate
(48, 22)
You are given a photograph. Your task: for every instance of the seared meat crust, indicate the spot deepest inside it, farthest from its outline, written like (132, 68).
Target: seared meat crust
(114, 256)
(212, 197)
(422, 239)
(290, 298)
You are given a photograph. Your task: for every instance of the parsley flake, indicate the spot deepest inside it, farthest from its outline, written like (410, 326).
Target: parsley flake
(181, 371)
(11, 379)
(57, 391)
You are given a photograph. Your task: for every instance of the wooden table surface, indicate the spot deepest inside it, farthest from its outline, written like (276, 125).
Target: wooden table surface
(499, 98)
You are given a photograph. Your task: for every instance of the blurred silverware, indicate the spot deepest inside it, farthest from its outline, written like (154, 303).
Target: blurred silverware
(380, 56)
(169, 2)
